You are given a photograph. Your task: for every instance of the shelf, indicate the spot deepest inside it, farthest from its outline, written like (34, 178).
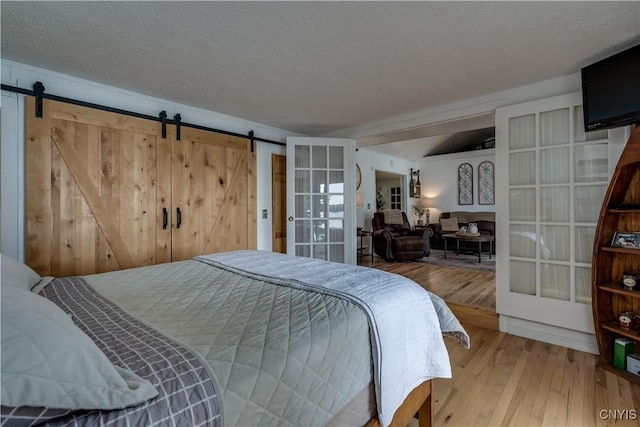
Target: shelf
(609, 261)
(622, 373)
(610, 287)
(613, 327)
(620, 250)
(623, 211)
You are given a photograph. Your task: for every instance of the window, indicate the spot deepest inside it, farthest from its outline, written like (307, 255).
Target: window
(396, 198)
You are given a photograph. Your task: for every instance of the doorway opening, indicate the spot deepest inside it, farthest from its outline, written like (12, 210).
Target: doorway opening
(390, 191)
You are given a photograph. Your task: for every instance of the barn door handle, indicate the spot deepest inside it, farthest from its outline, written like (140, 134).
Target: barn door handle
(179, 214)
(165, 218)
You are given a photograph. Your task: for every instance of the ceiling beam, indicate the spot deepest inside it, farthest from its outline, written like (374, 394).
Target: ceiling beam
(441, 128)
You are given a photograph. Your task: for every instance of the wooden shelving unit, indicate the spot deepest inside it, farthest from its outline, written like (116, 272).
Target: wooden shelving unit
(609, 298)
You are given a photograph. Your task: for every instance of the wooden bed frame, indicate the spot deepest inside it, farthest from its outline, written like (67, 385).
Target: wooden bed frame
(419, 401)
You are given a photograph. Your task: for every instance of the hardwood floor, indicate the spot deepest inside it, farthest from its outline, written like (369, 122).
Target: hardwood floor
(506, 380)
(471, 294)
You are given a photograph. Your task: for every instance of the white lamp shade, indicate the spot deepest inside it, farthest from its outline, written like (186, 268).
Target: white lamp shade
(427, 202)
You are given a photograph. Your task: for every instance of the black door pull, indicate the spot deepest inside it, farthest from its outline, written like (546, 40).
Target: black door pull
(179, 214)
(165, 218)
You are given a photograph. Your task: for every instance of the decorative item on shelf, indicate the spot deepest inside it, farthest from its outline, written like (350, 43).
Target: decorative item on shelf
(626, 239)
(633, 363)
(427, 203)
(622, 348)
(625, 319)
(414, 186)
(463, 230)
(629, 280)
(473, 228)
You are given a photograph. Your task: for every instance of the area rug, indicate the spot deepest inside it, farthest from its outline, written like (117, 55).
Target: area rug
(464, 260)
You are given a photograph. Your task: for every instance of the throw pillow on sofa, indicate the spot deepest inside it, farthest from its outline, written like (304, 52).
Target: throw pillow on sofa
(449, 224)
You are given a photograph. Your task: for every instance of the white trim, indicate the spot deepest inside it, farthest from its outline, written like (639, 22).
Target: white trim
(550, 334)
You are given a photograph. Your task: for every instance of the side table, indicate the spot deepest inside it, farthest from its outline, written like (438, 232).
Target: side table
(361, 247)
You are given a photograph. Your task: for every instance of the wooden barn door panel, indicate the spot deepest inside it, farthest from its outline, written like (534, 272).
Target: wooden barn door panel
(96, 186)
(214, 185)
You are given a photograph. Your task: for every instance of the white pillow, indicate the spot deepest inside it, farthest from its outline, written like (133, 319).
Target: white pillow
(16, 274)
(47, 361)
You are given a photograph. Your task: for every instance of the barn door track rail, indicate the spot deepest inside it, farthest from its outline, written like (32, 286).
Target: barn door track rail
(39, 93)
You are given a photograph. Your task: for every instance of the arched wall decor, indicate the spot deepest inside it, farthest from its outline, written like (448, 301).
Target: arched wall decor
(486, 183)
(465, 184)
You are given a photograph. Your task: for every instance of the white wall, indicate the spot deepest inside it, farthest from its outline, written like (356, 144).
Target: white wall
(439, 178)
(370, 161)
(12, 142)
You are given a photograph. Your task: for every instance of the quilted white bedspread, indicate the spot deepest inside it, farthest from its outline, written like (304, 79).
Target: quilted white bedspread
(407, 323)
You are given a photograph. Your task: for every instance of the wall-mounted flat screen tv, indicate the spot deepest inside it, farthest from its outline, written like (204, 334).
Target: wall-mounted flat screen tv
(611, 91)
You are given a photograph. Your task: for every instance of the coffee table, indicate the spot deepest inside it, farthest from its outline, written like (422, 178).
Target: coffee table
(461, 237)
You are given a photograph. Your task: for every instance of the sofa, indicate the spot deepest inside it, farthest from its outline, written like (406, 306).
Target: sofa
(486, 222)
(395, 240)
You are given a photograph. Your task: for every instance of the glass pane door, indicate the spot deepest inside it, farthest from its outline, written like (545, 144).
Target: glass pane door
(555, 181)
(322, 216)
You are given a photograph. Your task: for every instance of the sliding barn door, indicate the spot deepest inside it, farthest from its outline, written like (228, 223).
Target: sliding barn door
(96, 187)
(214, 193)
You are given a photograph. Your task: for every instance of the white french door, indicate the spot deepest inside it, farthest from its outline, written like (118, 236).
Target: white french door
(321, 198)
(550, 186)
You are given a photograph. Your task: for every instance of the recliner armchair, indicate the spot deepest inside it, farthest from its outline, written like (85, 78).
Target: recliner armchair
(397, 241)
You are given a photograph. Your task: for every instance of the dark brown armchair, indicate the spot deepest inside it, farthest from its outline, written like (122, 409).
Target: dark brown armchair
(398, 241)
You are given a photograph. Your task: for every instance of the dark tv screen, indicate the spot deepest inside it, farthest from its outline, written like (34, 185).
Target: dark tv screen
(611, 91)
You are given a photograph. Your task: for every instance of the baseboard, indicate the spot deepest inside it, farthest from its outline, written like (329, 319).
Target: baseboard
(550, 334)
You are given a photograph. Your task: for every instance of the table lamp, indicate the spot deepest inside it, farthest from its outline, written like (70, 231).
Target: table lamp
(427, 202)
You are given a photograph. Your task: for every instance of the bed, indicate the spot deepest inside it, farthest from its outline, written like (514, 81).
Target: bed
(244, 338)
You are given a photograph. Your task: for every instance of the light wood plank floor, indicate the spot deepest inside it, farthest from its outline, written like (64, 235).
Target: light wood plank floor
(505, 380)
(471, 294)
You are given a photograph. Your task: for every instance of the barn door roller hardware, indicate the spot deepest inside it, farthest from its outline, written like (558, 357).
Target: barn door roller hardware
(38, 91)
(163, 120)
(39, 94)
(177, 119)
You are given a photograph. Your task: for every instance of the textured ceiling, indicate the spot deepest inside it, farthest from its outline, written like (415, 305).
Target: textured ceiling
(316, 67)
